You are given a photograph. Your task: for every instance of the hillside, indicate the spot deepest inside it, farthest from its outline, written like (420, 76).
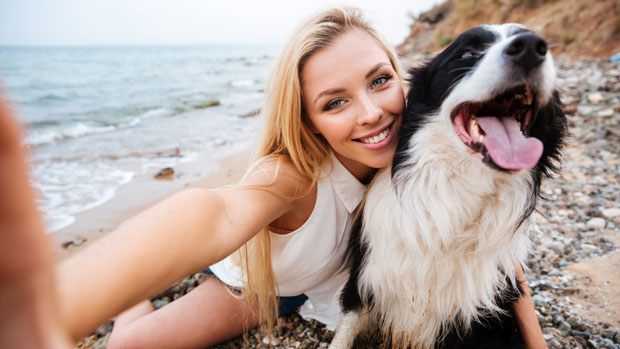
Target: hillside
(577, 28)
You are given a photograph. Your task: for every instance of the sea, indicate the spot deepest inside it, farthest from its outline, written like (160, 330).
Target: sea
(95, 117)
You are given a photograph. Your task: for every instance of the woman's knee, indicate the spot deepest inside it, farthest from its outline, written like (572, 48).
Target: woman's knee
(121, 338)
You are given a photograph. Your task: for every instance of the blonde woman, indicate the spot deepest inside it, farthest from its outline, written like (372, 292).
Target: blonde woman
(331, 117)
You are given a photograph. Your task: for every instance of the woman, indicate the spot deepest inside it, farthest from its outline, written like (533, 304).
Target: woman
(331, 117)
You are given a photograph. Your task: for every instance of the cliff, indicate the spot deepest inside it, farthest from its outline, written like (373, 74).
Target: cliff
(577, 28)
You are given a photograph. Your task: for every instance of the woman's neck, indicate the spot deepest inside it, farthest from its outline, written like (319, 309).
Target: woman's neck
(362, 172)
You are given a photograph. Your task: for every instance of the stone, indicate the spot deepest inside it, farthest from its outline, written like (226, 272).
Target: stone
(611, 212)
(596, 223)
(76, 242)
(554, 344)
(582, 334)
(158, 303)
(605, 113)
(564, 328)
(207, 103)
(595, 98)
(573, 321)
(165, 174)
(538, 299)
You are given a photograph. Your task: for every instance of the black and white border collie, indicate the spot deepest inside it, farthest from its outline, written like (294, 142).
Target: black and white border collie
(434, 250)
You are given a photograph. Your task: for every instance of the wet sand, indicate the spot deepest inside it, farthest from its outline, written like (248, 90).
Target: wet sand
(144, 191)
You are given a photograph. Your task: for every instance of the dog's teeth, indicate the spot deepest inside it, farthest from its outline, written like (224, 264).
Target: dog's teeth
(528, 95)
(474, 129)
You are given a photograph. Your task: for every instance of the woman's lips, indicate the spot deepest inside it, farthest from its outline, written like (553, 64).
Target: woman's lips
(378, 140)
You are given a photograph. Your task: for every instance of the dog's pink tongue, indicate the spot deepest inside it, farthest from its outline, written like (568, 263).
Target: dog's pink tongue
(508, 147)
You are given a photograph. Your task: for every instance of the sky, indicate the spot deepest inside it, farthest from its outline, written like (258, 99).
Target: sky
(180, 22)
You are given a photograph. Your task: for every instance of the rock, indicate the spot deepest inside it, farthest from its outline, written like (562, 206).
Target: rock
(595, 98)
(582, 334)
(605, 113)
(165, 174)
(609, 334)
(158, 303)
(76, 242)
(252, 113)
(596, 223)
(554, 344)
(570, 108)
(606, 343)
(538, 299)
(573, 321)
(564, 328)
(611, 212)
(208, 103)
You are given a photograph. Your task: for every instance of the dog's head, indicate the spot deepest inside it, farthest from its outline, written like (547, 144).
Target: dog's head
(493, 90)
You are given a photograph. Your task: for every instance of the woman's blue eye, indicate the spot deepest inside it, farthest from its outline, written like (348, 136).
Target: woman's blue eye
(333, 104)
(381, 80)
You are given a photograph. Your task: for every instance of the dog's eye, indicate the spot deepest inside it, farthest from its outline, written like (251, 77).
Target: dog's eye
(470, 54)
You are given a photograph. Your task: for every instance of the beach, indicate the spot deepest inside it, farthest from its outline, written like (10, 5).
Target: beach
(144, 191)
(575, 265)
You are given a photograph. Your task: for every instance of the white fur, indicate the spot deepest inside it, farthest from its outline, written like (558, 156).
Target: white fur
(443, 234)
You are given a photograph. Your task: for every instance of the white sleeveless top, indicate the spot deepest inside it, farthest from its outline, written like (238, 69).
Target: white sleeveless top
(310, 260)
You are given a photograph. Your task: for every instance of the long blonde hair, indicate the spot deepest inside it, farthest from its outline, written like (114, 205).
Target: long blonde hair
(286, 136)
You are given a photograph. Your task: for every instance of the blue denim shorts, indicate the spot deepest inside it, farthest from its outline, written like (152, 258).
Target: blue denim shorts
(286, 305)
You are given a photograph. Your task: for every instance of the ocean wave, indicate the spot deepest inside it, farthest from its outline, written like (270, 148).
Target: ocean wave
(242, 83)
(52, 131)
(54, 134)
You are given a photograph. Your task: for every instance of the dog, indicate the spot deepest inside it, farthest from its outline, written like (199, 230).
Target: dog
(434, 250)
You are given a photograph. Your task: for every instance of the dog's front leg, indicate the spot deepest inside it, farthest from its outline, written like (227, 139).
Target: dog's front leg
(352, 324)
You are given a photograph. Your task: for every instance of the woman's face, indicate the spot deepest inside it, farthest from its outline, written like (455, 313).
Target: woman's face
(355, 100)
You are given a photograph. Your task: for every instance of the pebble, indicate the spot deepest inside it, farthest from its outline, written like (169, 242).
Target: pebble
(165, 174)
(595, 98)
(564, 328)
(596, 223)
(605, 113)
(611, 212)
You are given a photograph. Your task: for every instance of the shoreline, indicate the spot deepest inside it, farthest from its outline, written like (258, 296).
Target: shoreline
(143, 191)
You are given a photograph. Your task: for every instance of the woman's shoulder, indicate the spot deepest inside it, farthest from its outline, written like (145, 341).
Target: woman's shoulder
(279, 176)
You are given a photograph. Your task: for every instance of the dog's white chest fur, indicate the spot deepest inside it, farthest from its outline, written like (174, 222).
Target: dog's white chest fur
(441, 243)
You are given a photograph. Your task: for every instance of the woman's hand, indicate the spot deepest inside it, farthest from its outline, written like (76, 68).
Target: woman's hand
(29, 317)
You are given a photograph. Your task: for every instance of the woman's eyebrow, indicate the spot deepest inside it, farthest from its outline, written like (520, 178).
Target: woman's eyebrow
(375, 68)
(328, 92)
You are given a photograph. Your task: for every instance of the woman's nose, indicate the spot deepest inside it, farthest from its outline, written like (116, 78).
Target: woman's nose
(369, 110)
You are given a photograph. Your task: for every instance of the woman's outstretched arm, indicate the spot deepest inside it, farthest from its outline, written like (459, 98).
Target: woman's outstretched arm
(28, 316)
(178, 236)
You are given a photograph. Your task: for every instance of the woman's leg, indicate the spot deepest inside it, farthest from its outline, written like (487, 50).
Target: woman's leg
(206, 316)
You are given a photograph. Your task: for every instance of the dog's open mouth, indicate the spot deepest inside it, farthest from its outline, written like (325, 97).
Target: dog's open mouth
(498, 128)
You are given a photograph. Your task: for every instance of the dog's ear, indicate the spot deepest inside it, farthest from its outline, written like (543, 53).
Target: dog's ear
(550, 126)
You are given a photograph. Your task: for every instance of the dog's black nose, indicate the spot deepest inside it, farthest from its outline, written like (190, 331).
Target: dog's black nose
(527, 51)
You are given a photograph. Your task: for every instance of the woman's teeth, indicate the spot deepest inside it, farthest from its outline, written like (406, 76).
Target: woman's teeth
(378, 138)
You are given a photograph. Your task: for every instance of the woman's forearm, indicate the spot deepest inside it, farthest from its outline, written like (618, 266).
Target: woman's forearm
(526, 316)
(141, 258)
